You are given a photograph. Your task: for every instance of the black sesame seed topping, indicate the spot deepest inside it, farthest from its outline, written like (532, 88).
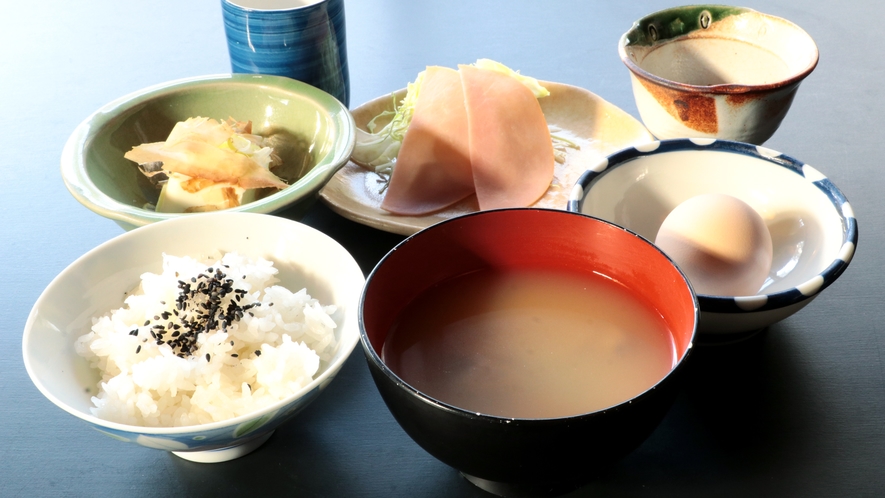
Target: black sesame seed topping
(138, 349)
(207, 356)
(257, 352)
(205, 303)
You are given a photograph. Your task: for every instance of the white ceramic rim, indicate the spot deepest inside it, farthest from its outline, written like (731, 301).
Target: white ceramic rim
(273, 5)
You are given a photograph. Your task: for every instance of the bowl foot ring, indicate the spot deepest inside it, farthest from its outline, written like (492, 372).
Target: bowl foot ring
(224, 454)
(517, 490)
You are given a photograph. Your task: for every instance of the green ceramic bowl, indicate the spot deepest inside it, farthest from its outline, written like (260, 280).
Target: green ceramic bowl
(312, 132)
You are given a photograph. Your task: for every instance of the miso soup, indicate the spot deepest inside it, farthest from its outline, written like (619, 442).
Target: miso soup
(530, 343)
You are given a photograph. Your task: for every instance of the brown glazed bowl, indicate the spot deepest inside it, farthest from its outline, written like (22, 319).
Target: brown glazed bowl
(714, 71)
(525, 456)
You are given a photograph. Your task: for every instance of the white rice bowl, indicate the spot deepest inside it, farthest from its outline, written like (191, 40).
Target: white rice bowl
(265, 356)
(100, 280)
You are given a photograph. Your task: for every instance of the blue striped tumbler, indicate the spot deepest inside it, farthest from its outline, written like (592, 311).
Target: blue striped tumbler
(301, 39)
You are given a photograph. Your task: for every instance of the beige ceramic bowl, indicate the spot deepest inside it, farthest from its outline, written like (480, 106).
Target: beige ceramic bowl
(713, 71)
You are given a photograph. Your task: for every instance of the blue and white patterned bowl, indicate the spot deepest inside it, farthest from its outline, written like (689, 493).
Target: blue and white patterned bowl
(812, 225)
(98, 281)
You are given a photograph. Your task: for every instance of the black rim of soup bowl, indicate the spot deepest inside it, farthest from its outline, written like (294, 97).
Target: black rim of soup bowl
(537, 456)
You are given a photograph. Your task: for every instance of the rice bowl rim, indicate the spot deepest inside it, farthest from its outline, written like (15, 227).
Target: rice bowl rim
(346, 342)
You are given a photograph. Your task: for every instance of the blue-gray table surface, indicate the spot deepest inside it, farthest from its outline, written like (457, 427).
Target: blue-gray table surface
(798, 410)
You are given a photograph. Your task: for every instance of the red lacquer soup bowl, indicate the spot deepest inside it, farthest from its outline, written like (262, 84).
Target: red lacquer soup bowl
(514, 453)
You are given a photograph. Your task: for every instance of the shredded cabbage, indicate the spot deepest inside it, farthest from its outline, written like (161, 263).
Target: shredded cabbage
(528, 81)
(378, 150)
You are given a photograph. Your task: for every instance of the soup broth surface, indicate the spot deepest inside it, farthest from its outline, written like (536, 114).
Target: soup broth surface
(530, 343)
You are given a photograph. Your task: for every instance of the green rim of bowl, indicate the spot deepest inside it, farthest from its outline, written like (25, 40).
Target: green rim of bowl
(74, 156)
(676, 22)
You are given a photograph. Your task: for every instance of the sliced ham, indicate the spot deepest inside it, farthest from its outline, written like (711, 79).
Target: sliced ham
(511, 153)
(433, 166)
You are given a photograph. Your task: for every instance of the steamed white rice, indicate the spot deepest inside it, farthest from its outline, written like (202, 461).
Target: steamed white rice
(272, 351)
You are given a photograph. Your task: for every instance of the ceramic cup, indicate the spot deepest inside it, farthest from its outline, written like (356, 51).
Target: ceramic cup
(301, 39)
(714, 71)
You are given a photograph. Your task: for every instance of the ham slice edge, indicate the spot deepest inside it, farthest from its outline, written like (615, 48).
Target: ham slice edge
(433, 166)
(511, 153)
(472, 130)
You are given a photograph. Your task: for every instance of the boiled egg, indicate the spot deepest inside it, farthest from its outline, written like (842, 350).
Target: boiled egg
(721, 244)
